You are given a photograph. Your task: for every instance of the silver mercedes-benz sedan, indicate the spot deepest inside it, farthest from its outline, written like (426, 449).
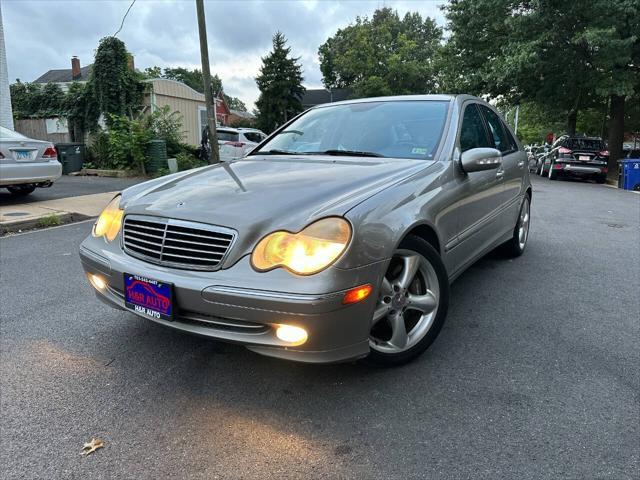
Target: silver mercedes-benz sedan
(336, 238)
(26, 163)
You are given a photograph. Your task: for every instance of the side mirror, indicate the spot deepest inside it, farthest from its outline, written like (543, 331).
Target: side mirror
(480, 159)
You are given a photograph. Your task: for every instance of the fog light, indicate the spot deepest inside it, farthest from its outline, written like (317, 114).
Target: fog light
(357, 294)
(291, 334)
(97, 282)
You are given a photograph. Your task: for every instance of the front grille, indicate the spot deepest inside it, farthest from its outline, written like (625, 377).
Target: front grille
(176, 243)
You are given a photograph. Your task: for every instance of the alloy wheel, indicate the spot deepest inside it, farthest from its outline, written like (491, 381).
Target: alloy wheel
(407, 305)
(523, 223)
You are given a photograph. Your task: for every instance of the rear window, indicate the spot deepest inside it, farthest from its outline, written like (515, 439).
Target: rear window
(6, 134)
(584, 144)
(228, 136)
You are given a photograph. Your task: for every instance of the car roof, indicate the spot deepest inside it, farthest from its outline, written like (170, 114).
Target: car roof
(403, 98)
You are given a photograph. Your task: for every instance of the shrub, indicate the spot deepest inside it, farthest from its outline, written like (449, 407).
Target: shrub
(187, 161)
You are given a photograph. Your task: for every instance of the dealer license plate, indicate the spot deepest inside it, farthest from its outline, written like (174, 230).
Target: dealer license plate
(148, 297)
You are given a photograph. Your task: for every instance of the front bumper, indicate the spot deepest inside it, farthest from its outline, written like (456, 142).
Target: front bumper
(29, 172)
(234, 305)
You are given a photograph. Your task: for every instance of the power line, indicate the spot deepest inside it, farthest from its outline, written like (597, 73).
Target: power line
(123, 18)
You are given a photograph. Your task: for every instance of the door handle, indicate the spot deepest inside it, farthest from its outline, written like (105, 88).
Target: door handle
(500, 174)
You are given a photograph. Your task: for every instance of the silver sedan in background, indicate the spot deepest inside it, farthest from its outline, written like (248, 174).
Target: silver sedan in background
(26, 163)
(336, 238)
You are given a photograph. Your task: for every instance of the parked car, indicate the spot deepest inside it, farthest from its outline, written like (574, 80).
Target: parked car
(532, 157)
(336, 239)
(237, 142)
(540, 158)
(26, 164)
(580, 157)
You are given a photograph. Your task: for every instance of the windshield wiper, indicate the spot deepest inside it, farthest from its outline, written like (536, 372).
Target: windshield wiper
(348, 153)
(275, 151)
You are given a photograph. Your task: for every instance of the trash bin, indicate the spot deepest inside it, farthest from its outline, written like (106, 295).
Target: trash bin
(157, 156)
(631, 174)
(71, 156)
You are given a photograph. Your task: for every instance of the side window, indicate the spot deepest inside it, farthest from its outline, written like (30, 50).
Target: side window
(500, 139)
(473, 134)
(253, 137)
(512, 141)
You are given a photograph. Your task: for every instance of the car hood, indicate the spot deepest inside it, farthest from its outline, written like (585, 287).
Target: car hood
(260, 194)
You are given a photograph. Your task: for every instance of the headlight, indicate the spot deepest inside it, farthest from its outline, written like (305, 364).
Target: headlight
(110, 220)
(307, 252)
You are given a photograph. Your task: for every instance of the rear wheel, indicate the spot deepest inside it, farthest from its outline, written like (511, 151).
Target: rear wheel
(515, 247)
(601, 178)
(20, 191)
(412, 305)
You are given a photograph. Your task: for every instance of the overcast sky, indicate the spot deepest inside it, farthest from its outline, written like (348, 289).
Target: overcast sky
(44, 34)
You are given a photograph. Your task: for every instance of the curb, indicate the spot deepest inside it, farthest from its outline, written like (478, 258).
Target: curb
(96, 172)
(56, 219)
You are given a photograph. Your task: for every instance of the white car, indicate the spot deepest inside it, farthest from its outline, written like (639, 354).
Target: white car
(26, 163)
(235, 143)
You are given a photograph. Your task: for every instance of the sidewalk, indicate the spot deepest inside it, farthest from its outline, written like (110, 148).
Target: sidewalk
(52, 212)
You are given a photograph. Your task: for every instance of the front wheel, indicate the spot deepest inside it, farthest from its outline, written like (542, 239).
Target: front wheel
(412, 304)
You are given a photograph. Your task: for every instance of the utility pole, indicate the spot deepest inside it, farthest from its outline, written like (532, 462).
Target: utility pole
(206, 77)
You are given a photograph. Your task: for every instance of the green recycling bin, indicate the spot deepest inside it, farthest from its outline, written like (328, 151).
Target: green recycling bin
(71, 156)
(156, 155)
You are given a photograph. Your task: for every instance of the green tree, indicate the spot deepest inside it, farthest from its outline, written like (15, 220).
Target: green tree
(384, 55)
(36, 100)
(280, 85)
(566, 56)
(113, 85)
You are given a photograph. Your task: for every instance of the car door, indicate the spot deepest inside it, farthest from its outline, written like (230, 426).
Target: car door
(478, 193)
(513, 166)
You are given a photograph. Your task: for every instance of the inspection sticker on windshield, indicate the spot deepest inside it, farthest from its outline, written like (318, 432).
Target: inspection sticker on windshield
(148, 297)
(419, 150)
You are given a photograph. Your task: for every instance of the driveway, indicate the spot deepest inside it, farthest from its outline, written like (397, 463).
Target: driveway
(70, 186)
(535, 374)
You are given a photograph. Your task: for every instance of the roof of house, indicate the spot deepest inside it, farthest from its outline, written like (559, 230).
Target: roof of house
(240, 113)
(63, 76)
(319, 96)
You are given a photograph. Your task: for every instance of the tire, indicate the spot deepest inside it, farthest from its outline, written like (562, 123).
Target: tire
(424, 300)
(542, 170)
(601, 178)
(518, 242)
(21, 191)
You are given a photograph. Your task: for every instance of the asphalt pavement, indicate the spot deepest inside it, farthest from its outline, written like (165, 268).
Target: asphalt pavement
(70, 186)
(535, 374)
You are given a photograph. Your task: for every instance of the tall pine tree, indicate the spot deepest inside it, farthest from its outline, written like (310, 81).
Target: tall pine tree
(280, 85)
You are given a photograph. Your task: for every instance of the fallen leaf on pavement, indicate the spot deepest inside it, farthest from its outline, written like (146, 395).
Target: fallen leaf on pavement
(92, 446)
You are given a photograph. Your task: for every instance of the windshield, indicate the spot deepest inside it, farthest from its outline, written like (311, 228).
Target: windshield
(399, 129)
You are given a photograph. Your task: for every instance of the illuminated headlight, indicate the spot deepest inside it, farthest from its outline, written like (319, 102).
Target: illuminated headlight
(110, 220)
(307, 252)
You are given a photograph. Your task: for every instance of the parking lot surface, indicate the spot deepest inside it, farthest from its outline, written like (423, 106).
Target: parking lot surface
(70, 186)
(535, 374)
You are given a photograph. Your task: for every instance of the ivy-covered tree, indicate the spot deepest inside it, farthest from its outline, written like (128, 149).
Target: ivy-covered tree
(280, 85)
(384, 55)
(114, 86)
(36, 100)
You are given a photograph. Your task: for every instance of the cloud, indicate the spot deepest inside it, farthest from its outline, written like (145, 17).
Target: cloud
(44, 34)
